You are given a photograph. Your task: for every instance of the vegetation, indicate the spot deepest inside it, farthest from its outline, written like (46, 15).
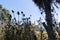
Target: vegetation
(24, 29)
(45, 6)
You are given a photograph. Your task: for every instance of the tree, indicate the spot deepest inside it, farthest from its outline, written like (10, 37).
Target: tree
(5, 17)
(46, 6)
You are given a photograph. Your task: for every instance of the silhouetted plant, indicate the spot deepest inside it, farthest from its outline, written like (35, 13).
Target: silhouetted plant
(46, 6)
(15, 31)
(12, 11)
(22, 14)
(27, 35)
(18, 15)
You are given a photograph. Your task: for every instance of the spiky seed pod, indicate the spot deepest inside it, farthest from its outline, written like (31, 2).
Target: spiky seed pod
(18, 13)
(24, 15)
(12, 11)
(22, 12)
(29, 17)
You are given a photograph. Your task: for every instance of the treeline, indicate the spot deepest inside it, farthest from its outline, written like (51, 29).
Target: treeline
(13, 30)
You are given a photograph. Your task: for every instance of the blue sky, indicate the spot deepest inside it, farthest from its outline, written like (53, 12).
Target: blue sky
(27, 6)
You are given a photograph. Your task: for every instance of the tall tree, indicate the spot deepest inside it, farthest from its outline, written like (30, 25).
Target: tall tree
(5, 15)
(46, 6)
(5, 18)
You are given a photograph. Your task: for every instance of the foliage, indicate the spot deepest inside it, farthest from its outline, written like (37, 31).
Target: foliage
(15, 30)
(47, 7)
(22, 30)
